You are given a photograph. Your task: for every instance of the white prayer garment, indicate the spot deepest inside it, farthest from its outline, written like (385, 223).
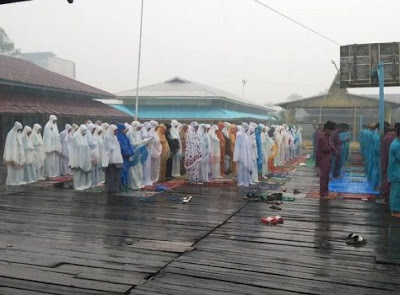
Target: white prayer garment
(215, 152)
(39, 155)
(155, 151)
(80, 160)
(243, 156)
(52, 147)
(66, 141)
(30, 175)
(98, 136)
(14, 156)
(144, 132)
(205, 153)
(140, 156)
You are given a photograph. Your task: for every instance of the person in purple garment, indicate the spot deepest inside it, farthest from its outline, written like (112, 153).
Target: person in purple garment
(337, 143)
(387, 140)
(317, 134)
(325, 151)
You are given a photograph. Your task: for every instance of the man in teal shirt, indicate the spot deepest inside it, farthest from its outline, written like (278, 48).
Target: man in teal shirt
(394, 174)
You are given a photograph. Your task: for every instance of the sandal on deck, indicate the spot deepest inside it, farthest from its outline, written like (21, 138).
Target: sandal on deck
(279, 219)
(269, 220)
(356, 240)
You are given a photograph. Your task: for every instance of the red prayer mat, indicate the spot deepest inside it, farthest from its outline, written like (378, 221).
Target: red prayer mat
(291, 165)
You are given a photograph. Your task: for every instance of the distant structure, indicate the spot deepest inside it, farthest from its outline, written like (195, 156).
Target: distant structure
(340, 106)
(185, 100)
(51, 62)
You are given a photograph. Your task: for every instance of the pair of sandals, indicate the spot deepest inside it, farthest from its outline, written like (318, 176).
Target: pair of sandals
(272, 220)
(354, 239)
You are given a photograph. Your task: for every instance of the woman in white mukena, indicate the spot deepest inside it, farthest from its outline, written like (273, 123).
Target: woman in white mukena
(80, 160)
(52, 147)
(30, 175)
(14, 156)
(39, 155)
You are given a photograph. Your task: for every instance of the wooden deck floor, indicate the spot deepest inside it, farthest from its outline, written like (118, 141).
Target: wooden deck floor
(64, 242)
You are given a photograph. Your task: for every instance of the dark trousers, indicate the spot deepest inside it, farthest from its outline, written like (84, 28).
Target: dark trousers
(169, 168)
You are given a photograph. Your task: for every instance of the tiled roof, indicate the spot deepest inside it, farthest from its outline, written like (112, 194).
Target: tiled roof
(18, 104)
(23, 72)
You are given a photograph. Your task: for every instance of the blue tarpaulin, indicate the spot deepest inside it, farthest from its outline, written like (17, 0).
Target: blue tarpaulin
(352, 183)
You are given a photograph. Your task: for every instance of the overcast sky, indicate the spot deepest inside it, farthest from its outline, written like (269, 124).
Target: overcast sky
(215, 42)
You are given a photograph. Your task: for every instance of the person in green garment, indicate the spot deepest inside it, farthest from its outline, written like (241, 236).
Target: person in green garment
(394, 174)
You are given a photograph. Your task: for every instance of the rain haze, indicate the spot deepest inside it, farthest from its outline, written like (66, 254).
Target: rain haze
(215, 42)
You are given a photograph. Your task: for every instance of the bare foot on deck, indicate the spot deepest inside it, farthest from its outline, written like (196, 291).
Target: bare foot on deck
(397, 214)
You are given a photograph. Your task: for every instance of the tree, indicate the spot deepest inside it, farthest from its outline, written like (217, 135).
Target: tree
(294, 96)
(7, 47)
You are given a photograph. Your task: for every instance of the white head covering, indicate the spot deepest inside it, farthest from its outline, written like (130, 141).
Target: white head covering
(112, 149)
(13, 150)
(80, 157)
(243, 149)
(51, 136)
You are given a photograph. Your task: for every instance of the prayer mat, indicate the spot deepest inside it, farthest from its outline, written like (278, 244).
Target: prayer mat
(291, 165)
(345, 185)
(270, 186)
(67, 178)
(51, 181)
(218, 183)
(314, 194)
(168, 184)
(137, 194)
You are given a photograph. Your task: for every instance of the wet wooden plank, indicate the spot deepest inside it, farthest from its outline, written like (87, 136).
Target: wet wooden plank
(164, 246)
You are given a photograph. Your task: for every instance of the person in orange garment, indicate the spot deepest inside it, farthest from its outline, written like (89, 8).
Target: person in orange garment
(222, 145)
(232, 131)
(165, 152)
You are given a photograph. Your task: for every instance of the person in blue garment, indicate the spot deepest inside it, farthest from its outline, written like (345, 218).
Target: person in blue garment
(344, 136)
(376, 156)
(260, 154)
(127, 151)
(394, 174)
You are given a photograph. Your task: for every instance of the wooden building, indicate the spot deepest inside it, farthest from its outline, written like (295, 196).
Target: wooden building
(340, 106)
(29, 94)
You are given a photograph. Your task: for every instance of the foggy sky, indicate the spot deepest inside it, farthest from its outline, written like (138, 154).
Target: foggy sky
(214, 42)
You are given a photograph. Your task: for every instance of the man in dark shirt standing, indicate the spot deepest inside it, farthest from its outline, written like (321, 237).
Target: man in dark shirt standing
(325, 152)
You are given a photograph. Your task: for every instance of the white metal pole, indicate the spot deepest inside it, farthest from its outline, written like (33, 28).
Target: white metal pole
(139, 59)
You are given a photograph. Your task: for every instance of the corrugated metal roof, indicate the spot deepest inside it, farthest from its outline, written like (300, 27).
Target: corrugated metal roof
(24, 73)
(179, 87)
(189, 113)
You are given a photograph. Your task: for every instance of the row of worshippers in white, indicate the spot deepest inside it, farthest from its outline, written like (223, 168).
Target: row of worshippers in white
(92, 149)
(256, 150)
